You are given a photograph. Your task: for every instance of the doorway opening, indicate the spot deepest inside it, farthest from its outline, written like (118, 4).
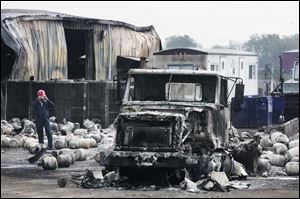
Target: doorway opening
(8, 58)
(78, 53)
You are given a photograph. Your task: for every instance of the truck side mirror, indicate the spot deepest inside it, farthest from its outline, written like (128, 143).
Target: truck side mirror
(239, 97)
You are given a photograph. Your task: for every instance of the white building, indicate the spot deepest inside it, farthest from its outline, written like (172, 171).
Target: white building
(231, 63)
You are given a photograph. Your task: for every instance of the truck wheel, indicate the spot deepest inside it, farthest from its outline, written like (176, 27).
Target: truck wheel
(224, 161)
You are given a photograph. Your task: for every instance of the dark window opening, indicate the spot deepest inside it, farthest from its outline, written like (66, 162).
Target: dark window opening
(80, 54)
(214, 67)
(152, 87)
(251, 72)
(8, 57)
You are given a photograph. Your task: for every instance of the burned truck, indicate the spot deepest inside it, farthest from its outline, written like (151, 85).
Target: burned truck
(172, 120)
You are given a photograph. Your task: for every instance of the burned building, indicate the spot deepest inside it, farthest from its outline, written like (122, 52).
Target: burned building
(44, 46)
(49, 45)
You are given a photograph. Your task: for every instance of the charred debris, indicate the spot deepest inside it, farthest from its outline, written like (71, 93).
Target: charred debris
(175, 132)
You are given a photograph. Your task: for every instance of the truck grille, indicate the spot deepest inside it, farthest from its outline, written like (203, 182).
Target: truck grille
(147, 134)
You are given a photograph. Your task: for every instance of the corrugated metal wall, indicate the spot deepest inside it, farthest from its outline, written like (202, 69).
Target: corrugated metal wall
(41, 47)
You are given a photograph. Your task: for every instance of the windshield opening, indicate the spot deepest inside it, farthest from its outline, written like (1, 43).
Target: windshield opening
(149, 87)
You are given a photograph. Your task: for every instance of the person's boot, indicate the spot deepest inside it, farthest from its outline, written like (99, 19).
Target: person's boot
(50, 148)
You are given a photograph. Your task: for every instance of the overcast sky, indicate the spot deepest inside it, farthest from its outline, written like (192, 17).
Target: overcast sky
(209, 23)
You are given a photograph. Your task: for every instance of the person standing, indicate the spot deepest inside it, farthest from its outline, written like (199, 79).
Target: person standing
(41, 106)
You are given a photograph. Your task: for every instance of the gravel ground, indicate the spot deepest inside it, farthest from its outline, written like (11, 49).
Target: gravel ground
(22, 180)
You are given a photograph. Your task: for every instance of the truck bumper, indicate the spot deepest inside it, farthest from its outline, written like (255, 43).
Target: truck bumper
(152, 159)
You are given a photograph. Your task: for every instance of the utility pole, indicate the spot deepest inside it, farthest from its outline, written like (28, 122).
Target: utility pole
(266, 82)
(280, 75)
(272, 81)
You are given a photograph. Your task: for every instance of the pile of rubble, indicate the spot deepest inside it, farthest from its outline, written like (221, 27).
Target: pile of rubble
(62, 158)
(215, 181)
(267, 154)
(71, 142)
(280, 154)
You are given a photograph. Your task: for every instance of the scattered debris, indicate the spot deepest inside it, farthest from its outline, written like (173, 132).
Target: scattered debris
(277, 160)
(80, 132)
(238, 184)
(62, 182)
(90, 125)
(280, 148)
(59, 143)
(216, 181)
(48, 162)
(278, 137)
(68, 152)
(292, 168)
(289, 128)
(294, 137)
(81, 154)
(189, 186)
(88, 180)
(247, 153)
(239, 170)
(219, 177)
(64, 160)
(262, 154)
(293, 143)
(294, 152)
(295, 159)
(6, 128)
(264, 167)
(266, 143)
(277, 171)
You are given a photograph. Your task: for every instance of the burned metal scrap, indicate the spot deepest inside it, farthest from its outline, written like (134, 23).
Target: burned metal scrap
(163, 146)
(247, 153)
(176, 123)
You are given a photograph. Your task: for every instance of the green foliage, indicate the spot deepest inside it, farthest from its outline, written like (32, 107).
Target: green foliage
(270, 46)
(231, 45)
(267, 46)
(181, 42)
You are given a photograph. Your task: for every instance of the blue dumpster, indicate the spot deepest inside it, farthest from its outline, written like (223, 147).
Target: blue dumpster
(260, 111)
(241, 119)
(256, 111)
(278, 108)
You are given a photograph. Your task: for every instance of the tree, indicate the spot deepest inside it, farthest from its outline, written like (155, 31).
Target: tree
(176, 41)
(218, 47)
(231, 45)
(235, 45)
(270, 46)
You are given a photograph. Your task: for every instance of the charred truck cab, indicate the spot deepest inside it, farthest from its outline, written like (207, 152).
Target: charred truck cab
(173, 119)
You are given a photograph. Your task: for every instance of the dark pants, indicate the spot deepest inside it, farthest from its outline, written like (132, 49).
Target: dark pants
(46, 124)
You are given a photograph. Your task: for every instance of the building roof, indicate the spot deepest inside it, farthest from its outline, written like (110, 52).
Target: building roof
(292, 51)
(48, 15)
(198, 51)
(174, 71)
